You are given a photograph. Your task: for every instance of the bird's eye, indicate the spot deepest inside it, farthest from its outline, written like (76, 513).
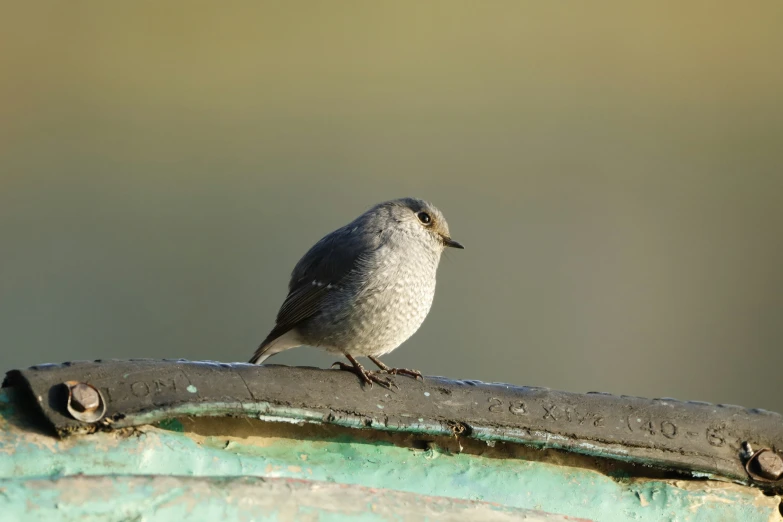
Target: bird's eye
(424, 218)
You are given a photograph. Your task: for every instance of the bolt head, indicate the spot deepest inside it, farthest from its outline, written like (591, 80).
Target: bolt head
(85, 398)
(769, 465)
(747, 449)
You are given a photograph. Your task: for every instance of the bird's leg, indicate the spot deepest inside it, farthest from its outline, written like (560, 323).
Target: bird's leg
(364, 375)
(395, 371)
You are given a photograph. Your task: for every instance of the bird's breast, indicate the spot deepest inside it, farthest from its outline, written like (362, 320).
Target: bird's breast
(394, 297)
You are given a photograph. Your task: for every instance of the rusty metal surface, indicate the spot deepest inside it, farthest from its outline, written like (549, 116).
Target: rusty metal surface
(695, 437)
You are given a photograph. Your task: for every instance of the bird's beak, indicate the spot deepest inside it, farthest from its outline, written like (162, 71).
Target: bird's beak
(451, 243)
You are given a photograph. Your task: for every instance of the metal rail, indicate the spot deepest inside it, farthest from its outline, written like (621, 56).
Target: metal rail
(704, 440)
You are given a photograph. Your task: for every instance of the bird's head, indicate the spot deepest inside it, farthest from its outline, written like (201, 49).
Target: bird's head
(421, 219)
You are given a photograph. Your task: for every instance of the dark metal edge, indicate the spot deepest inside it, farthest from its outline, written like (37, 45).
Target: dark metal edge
(700, 438)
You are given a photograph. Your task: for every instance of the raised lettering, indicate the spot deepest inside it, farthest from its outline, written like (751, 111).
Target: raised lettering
(496, 405)
(668, 429)
(550, 412)
(161, 385)
(517, 408)
(140, 389)
(715, 437)
(573, 414)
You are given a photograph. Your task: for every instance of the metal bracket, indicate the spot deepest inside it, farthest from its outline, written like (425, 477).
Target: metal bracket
(698, 438)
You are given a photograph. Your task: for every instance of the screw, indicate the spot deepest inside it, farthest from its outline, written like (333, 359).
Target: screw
(85, 398)
(769, 465)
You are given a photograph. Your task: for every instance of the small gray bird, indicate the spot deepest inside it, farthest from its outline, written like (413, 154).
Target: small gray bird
(365, 288)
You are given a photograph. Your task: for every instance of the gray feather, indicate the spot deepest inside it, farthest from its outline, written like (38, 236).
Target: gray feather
(320, 271)
(366, 287)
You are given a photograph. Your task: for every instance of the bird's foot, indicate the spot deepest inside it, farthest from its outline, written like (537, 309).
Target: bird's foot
(368, 377)
(403, 371)
(396, 371)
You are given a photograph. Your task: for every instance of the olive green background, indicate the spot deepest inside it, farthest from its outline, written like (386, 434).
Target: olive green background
(615, 170)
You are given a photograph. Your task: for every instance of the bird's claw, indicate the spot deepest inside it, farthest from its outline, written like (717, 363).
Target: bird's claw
(385, 382)
(367, 377)
(403, 371)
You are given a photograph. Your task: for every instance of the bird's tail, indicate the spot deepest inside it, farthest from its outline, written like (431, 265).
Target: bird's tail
(261, 353)
(275, 344)
(259, 356)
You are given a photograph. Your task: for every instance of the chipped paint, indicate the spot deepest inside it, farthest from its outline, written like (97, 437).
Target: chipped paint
(153, 499)
(299, 446)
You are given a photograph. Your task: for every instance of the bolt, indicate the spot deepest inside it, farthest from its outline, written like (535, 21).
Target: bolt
(747, 449)
(769, 465)
(85, 398)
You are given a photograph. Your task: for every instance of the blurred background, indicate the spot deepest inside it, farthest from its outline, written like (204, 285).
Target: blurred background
(615, 172)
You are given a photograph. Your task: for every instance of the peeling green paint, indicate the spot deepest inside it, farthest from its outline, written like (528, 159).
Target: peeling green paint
(172, 425)
(278, 413)
(163, 499)
(514, 483)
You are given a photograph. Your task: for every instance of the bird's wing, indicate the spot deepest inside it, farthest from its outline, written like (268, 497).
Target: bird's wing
(318, 273)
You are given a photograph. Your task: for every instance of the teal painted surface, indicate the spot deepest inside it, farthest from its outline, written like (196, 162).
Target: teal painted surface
(166, 499)
(278, 413)
(510, 482)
